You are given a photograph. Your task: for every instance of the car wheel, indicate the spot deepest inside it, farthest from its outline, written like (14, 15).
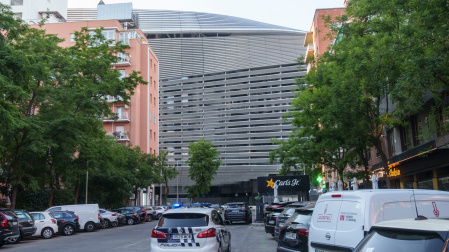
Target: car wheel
(68, 230)
(89, 227)
(159, 216)
(150, 218)
(107, 224)
(15, 240)
(115, 224)
(130, 221)
(47, 233)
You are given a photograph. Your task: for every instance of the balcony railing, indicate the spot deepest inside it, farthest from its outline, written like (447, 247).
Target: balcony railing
(123, 116)
(119, 136)
(123, 60)
(113, 98)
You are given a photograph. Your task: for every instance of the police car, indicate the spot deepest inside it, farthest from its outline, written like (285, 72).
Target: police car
(190, 229)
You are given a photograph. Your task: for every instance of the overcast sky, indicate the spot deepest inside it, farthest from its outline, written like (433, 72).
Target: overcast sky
(296, 14)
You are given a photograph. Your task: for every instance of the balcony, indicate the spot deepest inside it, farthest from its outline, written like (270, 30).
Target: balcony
(123, 60)
(113, 98)
(117, 117)
(119, 136)
(310, 52)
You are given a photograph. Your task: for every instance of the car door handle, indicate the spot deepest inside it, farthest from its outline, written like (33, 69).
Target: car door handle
(41, 221)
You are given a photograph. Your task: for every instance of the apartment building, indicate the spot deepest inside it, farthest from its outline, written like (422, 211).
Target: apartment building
(33, 11)
(136, 123)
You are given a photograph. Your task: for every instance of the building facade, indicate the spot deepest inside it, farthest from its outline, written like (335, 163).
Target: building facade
(225, 79)
(136, 123)
(33, 11)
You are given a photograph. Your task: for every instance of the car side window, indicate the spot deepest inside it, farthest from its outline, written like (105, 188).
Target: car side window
(41, 217)
(102, 211)
(55, 209)
(36, 216)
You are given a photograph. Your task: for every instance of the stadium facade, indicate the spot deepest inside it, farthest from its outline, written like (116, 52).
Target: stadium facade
(225, 79)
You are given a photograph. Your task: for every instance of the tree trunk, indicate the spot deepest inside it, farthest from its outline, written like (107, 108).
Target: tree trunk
(384, 158)
(166, 194)
(15, 190)
(52, 192)
(77, 189)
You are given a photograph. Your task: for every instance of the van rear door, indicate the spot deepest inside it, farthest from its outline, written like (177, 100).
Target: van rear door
(350, 221)
(323, 224)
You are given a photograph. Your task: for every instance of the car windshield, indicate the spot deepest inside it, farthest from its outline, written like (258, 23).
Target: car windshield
(235, 205)
(184, 220)
(20, 215)
(401, 241)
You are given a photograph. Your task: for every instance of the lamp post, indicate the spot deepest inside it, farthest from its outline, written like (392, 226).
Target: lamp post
(177, 184)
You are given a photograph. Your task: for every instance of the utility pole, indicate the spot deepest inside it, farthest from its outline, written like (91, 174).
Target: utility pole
(177, 184)
(87, 179)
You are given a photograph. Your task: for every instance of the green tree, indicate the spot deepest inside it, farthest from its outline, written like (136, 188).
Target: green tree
(51, 98)
(167, 172)
(203, 163)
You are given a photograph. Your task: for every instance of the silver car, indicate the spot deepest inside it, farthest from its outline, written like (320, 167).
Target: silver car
(109, 218)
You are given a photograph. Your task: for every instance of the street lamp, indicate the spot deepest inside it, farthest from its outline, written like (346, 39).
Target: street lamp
(177, 184)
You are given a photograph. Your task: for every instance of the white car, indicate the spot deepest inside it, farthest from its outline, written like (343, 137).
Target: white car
(159, 211)
(46, 225)
(193, 229)
(109, 218)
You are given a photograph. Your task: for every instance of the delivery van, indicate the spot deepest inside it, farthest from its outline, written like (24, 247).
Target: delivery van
(341, 219)
(88, 214)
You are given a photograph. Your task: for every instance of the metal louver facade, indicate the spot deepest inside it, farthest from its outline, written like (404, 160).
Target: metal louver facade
(224, 79)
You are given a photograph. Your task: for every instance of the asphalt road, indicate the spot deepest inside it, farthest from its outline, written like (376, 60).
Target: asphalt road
(136, 238)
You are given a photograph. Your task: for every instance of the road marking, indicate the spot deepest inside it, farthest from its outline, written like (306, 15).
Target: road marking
(130, 245)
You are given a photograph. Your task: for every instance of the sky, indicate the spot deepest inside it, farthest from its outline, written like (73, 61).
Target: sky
(296, 14)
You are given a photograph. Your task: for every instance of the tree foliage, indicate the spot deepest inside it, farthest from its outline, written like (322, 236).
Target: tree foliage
(391, 57)
(204, 164)
(52, 100)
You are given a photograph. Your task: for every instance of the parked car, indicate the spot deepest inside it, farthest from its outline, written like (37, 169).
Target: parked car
(294, 234)
(238, 211)
(151, 213)
(270, 220)
(68, 222)
(9, 226)
(159, 211)
(45, 223)
(287, 213)
(139, 210)
(407, 235)
(130, 216)
(199, 229)
(270, 208)
(342, 219)
(88, 215)
(26, 225)
(109, 218)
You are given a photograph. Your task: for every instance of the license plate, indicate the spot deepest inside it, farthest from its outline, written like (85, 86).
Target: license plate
(182, 236)
(14, 223)
(291, 236)
(271, 222)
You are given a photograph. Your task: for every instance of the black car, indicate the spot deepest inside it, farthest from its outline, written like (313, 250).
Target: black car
(9, 226)
(68, 222)
(294, 234)
(26, 225)
(270, 220)
(140, 211)
(270, 208)
(238, 211)
(287, 213)
(128, 216)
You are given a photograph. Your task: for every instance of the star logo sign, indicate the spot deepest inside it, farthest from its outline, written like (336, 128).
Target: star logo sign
(270, 183)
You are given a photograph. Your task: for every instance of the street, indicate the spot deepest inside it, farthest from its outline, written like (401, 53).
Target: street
(136, 238)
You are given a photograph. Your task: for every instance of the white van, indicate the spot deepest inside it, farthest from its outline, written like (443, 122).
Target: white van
(88, 214)
(341, 219)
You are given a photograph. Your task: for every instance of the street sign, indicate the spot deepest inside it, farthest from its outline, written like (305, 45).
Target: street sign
(287, 185)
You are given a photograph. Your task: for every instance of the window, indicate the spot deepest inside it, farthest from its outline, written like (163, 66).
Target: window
(416, 126)
(16, 2)
(121, 113)
(155, 101)
(377, 152)
(154, 136)
(406, 133)
(154, 85)
(368, 154)
(391, 143)
(151, 134)
(18, 14)
(122, 74)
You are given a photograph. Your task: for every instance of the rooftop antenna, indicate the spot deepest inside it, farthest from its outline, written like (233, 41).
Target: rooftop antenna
(418, 217)
(101, 2)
